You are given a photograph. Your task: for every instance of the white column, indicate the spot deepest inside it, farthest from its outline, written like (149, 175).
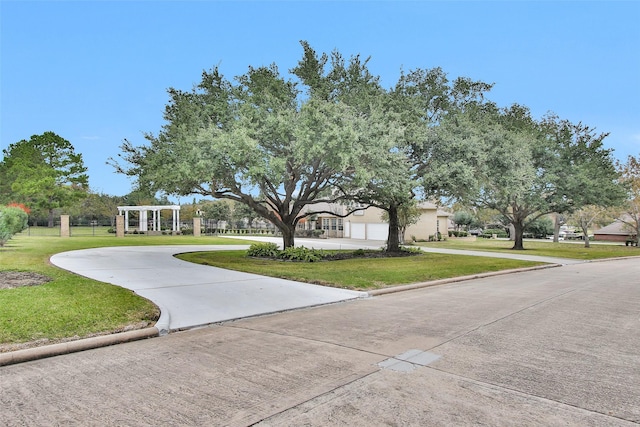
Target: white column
(154, 227)
(126, 220)
(177, 220)
(143, 220)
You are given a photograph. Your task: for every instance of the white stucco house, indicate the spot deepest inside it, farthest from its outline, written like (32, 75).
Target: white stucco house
(368, 224)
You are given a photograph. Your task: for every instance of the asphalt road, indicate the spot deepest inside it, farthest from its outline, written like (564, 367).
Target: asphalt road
(558, 346)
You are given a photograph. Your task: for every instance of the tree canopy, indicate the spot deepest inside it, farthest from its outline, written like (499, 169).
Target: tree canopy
(283, 145)
(43, 172)
(286, 145)
(399, 120)
(255, 142)
(529, 168)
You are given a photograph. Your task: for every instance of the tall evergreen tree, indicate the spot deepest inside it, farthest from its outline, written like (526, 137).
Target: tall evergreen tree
(44, 172)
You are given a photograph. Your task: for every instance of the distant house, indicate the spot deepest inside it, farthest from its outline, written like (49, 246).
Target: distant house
(367, 224)
(617, 231)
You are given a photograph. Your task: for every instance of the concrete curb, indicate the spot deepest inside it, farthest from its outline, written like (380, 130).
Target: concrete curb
(35, 353)
(384, 291)
(162, 325)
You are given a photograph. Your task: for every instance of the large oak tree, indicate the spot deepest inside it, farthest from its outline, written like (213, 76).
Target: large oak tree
(284, 146)
(257, 142)
(528, 168)
(400, 119)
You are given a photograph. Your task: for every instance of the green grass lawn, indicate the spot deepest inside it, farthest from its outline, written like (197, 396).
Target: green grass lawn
(572, 250)
(359, 273)
(71, 305)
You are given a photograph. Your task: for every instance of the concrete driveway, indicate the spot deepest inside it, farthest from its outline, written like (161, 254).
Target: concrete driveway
(191, 295)
(553, 347)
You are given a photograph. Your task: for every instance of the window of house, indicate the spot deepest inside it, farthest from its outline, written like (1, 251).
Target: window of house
(356, 206)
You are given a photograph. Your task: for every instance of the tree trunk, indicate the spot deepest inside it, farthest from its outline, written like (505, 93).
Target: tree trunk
(393, 241)
(585, 233)
(401, 235)
(288, 239)
(518, 234)
(50, 224)
(556, 228)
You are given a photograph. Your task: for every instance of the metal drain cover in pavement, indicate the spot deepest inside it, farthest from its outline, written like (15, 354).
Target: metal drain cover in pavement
(409, 360)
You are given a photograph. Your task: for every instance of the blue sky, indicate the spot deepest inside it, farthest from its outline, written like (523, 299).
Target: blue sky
(96, 72)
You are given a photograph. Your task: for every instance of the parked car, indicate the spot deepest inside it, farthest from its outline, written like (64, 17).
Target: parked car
(475, 232)
(560, 237)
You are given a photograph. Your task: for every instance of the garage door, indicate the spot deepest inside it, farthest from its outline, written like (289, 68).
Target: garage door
(377, 231)
(358, 231)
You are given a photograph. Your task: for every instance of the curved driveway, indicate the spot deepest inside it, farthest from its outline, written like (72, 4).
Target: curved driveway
(191, 295)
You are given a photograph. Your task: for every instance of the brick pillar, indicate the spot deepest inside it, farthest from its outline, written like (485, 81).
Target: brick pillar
(197, 221)
(64, 226)
(119, 225)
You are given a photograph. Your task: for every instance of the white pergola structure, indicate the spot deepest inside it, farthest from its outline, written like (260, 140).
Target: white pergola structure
(143, 216)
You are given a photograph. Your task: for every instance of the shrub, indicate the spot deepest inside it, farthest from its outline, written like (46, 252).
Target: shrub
(309, 233)
(411, 250)
(12, 220)
(435, 237)
(488, 233)
(301, 254)
(264, 250)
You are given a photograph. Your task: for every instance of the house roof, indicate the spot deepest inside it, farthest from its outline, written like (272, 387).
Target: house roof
(434, 207)
(616, 228)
